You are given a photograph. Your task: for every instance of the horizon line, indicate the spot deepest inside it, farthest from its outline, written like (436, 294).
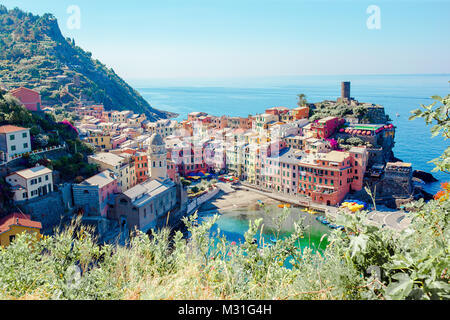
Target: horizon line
(283, 76)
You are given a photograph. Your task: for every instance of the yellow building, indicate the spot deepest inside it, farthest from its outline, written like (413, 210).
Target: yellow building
(15, 224)
(101, 142)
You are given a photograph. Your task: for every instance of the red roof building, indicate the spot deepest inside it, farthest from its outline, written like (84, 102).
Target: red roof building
(16, 223)
(29, 98)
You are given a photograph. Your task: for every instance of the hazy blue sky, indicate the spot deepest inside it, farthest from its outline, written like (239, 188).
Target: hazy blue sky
(248, 38)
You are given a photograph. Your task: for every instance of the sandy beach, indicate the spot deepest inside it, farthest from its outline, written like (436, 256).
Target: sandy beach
(235, 200)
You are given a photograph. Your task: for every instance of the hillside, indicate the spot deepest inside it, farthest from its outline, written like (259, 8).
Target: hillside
(34, 54)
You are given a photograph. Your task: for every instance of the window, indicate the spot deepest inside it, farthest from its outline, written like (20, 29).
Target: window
(24, 135)
(12, 137)
(46, 178)
(13, 148)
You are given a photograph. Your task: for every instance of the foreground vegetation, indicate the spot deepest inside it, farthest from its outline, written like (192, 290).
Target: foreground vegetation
(364, 262)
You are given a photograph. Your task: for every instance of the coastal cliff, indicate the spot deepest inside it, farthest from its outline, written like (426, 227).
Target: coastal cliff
(35, 54)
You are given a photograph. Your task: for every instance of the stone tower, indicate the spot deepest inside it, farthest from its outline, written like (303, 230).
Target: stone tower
(345, 91)
(157, 158)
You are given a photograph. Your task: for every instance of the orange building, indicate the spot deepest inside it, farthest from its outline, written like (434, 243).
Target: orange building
(141, 163)
(300, 113)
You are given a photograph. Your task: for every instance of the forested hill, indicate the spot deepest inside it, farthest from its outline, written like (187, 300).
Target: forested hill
(34, 54)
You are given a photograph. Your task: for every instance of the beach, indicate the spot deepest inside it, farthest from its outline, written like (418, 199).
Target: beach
(240, 199)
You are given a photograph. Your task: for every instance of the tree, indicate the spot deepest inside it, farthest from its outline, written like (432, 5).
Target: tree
(437, 113)
(355, 141)
(301, 100)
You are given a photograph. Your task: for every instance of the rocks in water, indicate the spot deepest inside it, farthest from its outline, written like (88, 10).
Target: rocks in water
(424, 176)
(419, 193)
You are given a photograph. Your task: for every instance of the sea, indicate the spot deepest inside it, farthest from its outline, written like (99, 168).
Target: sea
(399, 94)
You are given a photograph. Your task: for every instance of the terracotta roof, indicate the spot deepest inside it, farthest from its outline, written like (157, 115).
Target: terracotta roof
(10, 128)
(22, 89)
(18, 219)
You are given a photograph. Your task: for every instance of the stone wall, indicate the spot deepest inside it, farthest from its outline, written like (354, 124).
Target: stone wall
(50, 210)
(376, 115)
(197, 202)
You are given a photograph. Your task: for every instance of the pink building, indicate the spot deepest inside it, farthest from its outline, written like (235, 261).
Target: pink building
(116, 141)
(29, 98)
(220, 122)
(277, 111)
(172, 170)
(328, 178)
(95, 195)
(323, 178)
(326, 127)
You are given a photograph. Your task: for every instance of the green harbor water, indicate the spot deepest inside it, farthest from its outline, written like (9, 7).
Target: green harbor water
(234, 224)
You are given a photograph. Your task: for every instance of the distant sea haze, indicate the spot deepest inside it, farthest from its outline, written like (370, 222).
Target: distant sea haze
(399, 94)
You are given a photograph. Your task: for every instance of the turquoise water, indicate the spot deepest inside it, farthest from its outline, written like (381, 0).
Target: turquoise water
(241, 97)
(234, 224)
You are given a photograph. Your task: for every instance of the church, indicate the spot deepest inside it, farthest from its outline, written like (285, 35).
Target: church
(147, 205)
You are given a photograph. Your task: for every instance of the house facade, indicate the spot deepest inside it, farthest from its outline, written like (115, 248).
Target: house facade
(14, 140)
(31, 183)
(117, 164)
(143, 205)
(15, 224)
(95, 195)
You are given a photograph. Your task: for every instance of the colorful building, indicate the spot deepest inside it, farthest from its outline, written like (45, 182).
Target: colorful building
(15, 224)
(29, 98)
(328, 177)
(95, 195)
(100, 142)
(14, 140)
(117, 164)
(325, 127)
(31, 183)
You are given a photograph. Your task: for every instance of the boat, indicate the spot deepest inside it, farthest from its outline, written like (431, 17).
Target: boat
(325, 221)
(273, 240)
(312, 212)
(284, 206)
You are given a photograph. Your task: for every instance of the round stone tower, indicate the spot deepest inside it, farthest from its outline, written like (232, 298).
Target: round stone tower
(157, 158)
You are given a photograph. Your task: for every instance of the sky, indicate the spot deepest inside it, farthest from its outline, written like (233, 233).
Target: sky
(175, 39)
